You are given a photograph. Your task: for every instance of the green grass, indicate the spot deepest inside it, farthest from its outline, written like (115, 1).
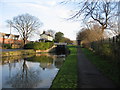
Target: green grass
(67, 75)
(109, 67)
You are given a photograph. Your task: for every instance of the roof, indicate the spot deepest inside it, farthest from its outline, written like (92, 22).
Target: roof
(44, 33)
(5, 34)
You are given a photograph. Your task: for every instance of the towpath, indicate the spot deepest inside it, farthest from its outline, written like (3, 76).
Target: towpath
(89, 76)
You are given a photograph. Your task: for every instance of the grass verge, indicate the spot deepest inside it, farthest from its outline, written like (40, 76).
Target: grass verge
(67, 75)
(109, 68)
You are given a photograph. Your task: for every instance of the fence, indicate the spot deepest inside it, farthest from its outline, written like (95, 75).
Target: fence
(109, 47)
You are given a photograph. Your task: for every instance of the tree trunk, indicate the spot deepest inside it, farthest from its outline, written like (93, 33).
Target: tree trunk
(24, 41)
(103, 28)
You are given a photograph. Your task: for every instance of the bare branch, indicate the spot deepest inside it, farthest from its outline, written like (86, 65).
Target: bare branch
(25, 24)
(101, 11)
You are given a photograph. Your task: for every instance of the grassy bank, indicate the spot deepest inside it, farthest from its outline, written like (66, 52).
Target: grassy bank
(109, 67)
(18, 52)
(67, 75)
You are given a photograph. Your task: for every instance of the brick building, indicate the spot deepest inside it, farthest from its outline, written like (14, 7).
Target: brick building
(13, 40)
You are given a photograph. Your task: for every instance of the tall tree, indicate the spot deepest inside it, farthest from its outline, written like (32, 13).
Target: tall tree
(88, 35)
(67, 40)
(25, 24)
(59, 37)
(105, 12)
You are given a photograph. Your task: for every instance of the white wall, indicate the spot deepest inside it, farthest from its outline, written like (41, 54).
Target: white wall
(46, 37)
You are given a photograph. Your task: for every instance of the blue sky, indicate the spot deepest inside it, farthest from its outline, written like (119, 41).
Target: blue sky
(50, 12)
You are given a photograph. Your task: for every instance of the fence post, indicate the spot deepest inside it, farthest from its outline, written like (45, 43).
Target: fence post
(109, 40)
(117, 38)
(113, 39)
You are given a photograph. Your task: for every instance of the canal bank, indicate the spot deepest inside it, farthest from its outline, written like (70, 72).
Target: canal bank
(17, 53)
(78, 72)
(67, 75)
(59, 49)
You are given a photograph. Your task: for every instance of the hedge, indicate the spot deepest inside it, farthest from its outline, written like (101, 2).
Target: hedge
(7, 46)
(39, 45)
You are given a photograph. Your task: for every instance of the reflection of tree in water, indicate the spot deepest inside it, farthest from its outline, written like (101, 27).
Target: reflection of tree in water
(45, 61)
(25, 78)
(48, 61)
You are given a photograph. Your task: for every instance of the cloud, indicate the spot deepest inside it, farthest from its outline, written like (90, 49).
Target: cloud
(51, 3)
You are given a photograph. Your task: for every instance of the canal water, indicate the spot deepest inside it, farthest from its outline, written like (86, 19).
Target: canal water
(37, 71)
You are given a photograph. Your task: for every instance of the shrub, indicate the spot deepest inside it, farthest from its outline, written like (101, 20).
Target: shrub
(7, 46)
(29, 45)
(39, 45)
(106, 49)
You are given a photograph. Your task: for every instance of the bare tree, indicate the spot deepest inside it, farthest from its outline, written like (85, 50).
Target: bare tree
(104, 12)
(25, 24)
(88, 35)
(51, 32)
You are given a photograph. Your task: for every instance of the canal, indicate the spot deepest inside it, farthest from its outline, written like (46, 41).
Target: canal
(37, 71)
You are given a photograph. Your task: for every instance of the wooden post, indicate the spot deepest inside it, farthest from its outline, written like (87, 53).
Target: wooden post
(3, 41)
(117, 37)
(113, 39)
(109, 40)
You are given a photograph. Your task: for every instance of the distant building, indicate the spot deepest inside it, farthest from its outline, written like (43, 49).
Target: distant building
(10, 39)
(46, 37)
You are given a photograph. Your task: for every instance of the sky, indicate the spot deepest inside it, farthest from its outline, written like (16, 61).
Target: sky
(51, 13)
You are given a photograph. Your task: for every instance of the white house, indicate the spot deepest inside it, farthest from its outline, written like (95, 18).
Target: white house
(46, 37)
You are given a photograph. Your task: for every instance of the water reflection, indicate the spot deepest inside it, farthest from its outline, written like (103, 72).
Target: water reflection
(37, 71)
(25, 77)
